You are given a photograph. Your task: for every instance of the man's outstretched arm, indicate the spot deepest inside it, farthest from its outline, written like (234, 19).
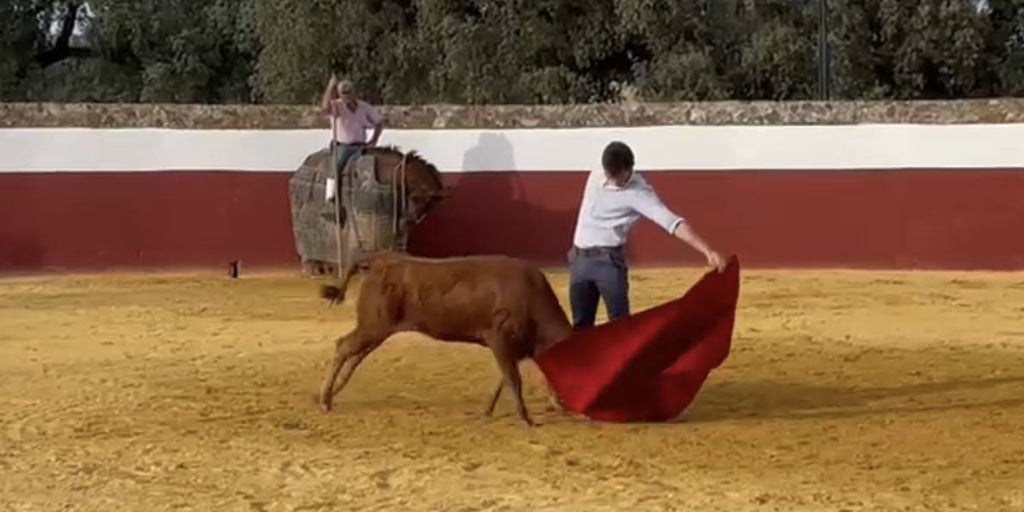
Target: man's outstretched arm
(686, 233)
(325, 100)
(650, 206)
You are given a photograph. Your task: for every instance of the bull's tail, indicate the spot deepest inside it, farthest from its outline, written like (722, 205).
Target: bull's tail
(336, 294)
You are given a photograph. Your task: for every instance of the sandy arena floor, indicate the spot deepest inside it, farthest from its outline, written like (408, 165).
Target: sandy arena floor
(845, 391)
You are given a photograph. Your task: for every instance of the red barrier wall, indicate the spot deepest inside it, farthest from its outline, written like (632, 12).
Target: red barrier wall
(958, 219)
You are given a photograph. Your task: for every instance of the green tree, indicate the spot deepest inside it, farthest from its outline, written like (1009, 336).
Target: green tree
(921, 49)
(1005, 47)
(134, 50)
(504, 51)
(778, 58)
(679, 44)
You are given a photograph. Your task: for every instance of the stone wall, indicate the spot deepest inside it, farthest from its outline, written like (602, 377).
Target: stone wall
(514, 116)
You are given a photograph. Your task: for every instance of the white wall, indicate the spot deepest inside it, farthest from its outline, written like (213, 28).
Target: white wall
(883, 146)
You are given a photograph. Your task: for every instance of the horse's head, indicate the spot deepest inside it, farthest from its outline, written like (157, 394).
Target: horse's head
(430, 201)
(424, 189)
(428, 191)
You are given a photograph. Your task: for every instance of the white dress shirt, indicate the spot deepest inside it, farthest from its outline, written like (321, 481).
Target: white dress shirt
(608, 212)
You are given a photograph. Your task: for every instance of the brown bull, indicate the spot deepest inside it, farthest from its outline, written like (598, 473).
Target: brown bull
(499, 302)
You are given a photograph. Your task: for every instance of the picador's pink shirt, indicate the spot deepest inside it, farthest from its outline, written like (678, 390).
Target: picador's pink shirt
(350, 126)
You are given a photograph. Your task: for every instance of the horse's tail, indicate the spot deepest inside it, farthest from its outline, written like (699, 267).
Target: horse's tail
(336, 294)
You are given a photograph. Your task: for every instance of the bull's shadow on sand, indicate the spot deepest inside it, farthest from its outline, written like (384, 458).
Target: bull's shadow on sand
(767, 399)
(495, 208)
(847, 382)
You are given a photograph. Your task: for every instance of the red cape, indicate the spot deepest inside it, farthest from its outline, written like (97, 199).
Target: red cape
(648, 366)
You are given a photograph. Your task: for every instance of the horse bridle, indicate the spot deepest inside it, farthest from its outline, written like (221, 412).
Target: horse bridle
(402, 187)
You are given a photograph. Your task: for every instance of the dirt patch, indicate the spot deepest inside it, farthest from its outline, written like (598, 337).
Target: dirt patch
(844, 391)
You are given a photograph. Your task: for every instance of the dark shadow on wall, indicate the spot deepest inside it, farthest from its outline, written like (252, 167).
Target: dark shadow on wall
(498, 208)
(492, 152)
(495, 208)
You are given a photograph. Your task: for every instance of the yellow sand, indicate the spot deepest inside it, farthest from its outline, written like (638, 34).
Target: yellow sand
(845, 391)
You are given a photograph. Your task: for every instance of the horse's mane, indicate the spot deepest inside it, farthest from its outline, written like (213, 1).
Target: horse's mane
(413, 156)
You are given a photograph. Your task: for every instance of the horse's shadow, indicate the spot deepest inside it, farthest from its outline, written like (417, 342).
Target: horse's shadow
(496, 209)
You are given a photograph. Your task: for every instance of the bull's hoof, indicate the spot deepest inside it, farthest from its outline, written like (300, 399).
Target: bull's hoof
(527, 420)
(325, 406)
(555, 403)
(488, 411)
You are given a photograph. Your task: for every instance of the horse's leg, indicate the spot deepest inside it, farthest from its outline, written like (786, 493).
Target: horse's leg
(311, 268)
(327, 268)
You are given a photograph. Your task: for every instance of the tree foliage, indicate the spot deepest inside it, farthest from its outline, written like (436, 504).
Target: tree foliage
(506, 51)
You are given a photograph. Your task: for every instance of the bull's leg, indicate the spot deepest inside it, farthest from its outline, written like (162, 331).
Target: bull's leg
(510, 370)
(553, 399)
(339, 359)
(356, 344)
(350, 369)
(494, 398)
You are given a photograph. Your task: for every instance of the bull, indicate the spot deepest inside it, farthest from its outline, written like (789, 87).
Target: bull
(498, 302)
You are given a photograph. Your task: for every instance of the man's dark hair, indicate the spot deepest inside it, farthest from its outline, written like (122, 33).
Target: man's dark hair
(617, 158)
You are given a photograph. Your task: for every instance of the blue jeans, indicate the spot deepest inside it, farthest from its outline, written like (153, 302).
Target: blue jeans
(345, 152)
(602, 275)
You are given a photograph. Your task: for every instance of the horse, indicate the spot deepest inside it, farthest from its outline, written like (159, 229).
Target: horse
(406, 172)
